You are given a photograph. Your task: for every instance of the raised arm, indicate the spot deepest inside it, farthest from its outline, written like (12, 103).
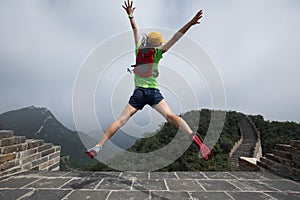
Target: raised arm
(130, 10)
(183, 30)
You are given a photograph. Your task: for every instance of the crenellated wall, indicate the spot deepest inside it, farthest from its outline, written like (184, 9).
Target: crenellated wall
(19, 154)
(285, 160)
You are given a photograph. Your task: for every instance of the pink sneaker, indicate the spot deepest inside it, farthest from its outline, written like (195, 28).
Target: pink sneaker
(92, 152)
(204, 150)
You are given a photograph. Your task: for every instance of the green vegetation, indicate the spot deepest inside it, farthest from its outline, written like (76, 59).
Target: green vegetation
(189, 161)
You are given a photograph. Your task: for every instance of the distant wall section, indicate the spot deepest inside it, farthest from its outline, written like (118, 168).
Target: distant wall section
(20, 154)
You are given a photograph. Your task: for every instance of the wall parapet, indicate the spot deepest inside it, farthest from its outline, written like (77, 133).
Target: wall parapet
(236, 146)
(20, 154)
(257, 152)
(284, 161)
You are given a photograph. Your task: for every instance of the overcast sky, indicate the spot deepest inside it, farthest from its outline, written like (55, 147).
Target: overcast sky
(254, 44)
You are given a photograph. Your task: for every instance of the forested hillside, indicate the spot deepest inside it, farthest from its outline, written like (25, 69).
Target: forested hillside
(40, 123)
(273, 132)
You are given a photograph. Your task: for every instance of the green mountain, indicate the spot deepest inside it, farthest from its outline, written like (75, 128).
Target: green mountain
(40, 123)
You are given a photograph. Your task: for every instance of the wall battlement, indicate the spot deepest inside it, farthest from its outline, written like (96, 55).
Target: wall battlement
(284, 161)
(19, 154)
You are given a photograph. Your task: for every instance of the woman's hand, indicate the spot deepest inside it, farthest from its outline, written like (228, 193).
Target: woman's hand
(197, 17)
(128, 7)
(182, 31)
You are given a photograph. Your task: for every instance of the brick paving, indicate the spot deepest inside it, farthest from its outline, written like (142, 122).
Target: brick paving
(147, 185)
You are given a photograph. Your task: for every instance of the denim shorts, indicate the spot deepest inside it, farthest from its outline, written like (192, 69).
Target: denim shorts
(143, 96)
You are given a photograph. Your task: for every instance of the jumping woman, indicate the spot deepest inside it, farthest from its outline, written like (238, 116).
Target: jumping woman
(149, 51)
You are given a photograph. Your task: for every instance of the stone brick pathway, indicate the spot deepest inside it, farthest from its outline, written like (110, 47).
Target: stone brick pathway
(37, 185)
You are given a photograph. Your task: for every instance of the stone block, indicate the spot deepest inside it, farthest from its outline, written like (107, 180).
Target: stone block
(49, 194)
(57, 148)
(15, 194)
(271, 156)
(34, 143)
(163, 175)
(157, 195)
(10, 171)
(47, 152)
(6, 133)
(45, 146)
(30, 158)
(188, 175)
(284, 147)
(149, 184)
(296, 164)
(134, 175)
(283, 154)
(209, 195)
(38, 162)
(34, 168)
(54, 155)
(7, 157)
(81, 194)
(57, 168)
(284, 195)
(262, 164)
(248, 164)
(276, 171)
(288, 148)
(217, 175)
(248, 195)
(57, 159)
(83, 183)
(115, 184)
(26, 166)
(283, 185)
(280, 169)
(295, 173)
(295, 144)
(13, 148)
(184, 185)
(219, 185)
(46, 164)
(283, 161)
(7, 165)
(16, 182)
(265, 161)
(54, 167)
(133, 195)
(26, 153)
(12, 140)
(296, 157)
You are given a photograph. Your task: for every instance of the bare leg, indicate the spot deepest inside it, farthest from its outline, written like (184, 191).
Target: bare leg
(163, 108)
(118, 123)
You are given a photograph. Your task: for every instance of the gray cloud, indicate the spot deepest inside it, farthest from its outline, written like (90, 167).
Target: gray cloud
(254, 44)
